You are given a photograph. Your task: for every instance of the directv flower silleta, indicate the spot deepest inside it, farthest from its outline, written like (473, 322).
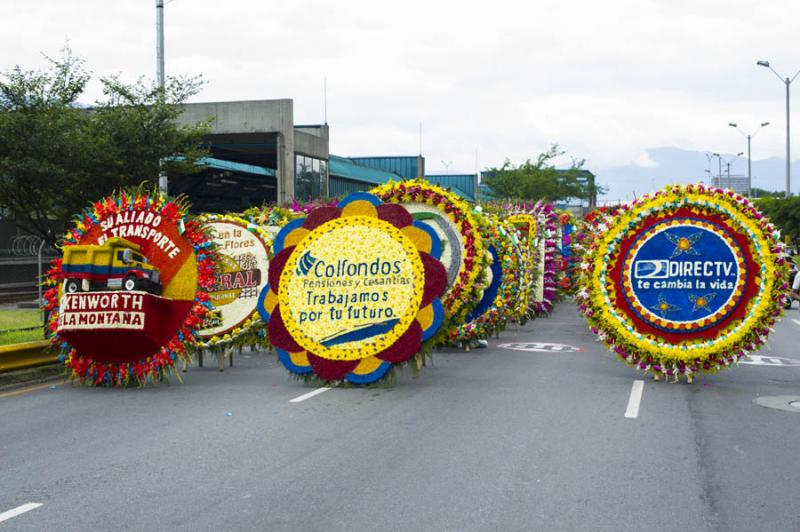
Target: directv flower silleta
(687, 280)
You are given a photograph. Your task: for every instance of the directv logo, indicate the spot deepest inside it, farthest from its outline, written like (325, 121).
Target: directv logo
(651, 269)
(664, 268)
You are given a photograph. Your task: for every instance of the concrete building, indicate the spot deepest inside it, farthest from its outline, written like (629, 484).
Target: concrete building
(465, 185)
(737, 183)
(258, 155)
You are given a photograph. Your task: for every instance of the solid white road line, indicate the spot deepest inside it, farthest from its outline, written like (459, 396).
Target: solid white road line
(19, 510)
(796, 322)
(309, 395)
(633, 402)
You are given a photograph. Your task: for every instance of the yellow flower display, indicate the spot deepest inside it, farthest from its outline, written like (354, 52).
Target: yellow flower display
(721, 325)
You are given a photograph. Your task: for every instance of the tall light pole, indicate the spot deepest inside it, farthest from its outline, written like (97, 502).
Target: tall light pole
(728, 165)
(719, 175)
(749, 160)
(787, 81)
(163, 183)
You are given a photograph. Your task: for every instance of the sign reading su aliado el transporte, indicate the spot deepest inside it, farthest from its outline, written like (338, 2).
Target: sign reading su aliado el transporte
(683, 275)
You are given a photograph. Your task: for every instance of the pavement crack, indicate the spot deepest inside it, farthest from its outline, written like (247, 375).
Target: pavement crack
(709, 486)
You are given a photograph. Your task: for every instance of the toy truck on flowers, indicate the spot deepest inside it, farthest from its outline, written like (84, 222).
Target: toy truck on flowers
(116, 264)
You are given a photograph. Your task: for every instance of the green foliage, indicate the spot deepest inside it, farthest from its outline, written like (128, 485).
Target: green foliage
(762, 193)
(13, 319)
(57, 155)
(540, 180)
(784, 213)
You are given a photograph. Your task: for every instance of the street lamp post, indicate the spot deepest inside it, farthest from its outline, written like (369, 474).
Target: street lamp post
(787, 81)
(728, 165)
(163, 183)
(749, 160)
(719, 173)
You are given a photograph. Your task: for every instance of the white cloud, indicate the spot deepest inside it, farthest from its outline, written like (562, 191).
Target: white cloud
(606, 80)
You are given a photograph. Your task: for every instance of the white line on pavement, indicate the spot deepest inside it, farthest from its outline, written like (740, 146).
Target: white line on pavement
(796, 322)
(633, 402)
(19, 510)
(309, 395)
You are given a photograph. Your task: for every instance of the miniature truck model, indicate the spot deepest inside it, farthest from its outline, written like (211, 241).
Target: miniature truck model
(117, 264)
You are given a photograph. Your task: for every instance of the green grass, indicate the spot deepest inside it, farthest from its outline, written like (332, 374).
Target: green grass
(18, 318)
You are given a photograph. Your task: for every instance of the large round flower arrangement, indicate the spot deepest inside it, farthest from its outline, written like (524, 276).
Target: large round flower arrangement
(499, 301)
(685, 281)
(186, 256)
(244, 250)
(570, 253)
(525, 225)
(353, 290)
(464, 255)
(545, 244)
(548, 223)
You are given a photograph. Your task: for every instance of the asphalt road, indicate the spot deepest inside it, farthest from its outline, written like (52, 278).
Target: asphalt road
(492, 439)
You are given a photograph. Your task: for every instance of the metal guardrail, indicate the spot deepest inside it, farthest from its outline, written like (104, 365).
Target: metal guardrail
(28, 355)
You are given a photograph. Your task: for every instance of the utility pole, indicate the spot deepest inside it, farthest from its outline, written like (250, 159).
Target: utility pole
(719, 173)
(786, 81)
(728, 164)
(163, 182)
(749, 137)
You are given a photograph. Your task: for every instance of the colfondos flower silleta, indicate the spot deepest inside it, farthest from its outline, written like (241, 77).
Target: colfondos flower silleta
(353, 289)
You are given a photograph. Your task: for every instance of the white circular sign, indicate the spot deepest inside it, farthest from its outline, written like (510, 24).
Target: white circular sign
(243, 268)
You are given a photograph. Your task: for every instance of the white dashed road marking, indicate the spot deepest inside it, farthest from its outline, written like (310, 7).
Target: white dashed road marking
(19, 510)
(309, 395)
(632, 411)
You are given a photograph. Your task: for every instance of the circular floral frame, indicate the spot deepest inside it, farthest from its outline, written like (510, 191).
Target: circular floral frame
(159, 365)
(398, 348)
(250, 331)
(529, 268)
(507, 262)
(464, 293)
(656, 352)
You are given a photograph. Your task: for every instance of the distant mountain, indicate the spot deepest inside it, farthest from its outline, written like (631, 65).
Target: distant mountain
(676, 165)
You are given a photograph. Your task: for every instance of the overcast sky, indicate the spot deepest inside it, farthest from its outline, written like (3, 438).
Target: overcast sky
(606, 80)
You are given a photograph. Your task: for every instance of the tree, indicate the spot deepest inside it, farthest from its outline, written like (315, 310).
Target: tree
(540, 179)
(784, 213)
(756, 192)
(57, 155)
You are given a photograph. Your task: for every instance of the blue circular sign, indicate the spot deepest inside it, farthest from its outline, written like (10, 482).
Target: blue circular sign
(683, 275)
